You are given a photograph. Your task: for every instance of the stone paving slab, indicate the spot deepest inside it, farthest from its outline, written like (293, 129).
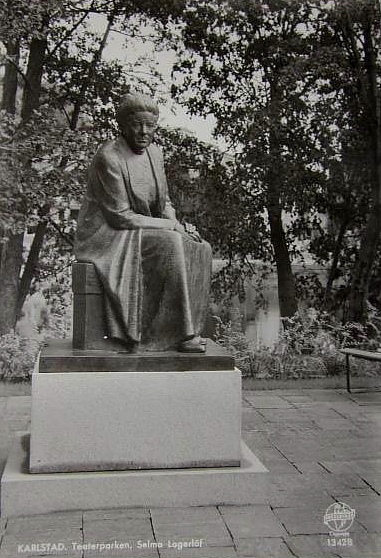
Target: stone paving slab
(252, 419)
(278, 415)
(265, 401)
(165, 516)
(331, 483)
(44, 523)
(354, 465)
(365, 398)
(365, 545)
(120, 513)
(315, 499)
(309, 467)
(252, 521)
(329, 395)
(338, 423)
(280, 466)
(318, 410)
(297, 398)
(294, 429)
(257, 439)
(312, 546)
(210, 533)
(99, 530)
(261, 547)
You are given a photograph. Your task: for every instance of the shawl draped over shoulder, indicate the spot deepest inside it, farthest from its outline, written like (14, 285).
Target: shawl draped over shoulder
(155, 280)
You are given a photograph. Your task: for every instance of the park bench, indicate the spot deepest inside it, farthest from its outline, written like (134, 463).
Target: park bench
(358, 353)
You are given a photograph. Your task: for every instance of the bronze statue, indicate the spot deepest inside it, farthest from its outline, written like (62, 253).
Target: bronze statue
(155, 275)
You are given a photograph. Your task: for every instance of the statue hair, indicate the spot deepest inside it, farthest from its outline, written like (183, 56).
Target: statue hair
(134, 102)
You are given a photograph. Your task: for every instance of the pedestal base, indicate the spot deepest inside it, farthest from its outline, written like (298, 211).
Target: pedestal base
(118, 420)
(23, 493)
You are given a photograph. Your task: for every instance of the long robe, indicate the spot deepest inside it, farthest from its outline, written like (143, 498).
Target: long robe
(155, 281)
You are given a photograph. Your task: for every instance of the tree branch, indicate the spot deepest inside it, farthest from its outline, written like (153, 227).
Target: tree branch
(86, 82)
(62, 234)
(18, 69)
(69, 33)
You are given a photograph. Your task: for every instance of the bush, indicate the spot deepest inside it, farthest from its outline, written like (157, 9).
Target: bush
(236, 343)
(319, 335)
(17, 357)
(308, 347)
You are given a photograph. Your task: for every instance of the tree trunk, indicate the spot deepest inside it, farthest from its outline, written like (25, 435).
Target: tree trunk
(335, 260)
(10, 266)
(32, 89)
(31, 265)
(358, 297)
(357, 307)
(8, 101)
(286, 282)
(11, 255)
(11, 248)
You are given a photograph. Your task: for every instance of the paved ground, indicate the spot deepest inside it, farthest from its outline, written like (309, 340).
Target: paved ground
(320, 446)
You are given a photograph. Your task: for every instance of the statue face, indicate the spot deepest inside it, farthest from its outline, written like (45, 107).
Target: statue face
(139, 129)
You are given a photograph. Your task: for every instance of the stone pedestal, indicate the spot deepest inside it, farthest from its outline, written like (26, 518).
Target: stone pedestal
(97, 420)
(112, 429)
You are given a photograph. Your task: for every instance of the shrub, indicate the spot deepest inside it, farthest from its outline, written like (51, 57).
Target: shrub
(236, 343)
(319, 335)
(17, 357)
(309, 346)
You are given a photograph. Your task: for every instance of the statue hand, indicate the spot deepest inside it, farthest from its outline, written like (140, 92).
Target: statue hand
(195, 236)
(192, 232)
(179, 228)
(188, 230)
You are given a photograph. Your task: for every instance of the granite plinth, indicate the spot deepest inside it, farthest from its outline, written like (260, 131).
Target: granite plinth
(25, 494)
(90, 420)
(59, 356)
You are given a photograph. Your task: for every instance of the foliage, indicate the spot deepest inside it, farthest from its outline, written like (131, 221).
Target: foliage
(309, 346)
(17, 357)
(21, 18)
(288, 83)
(235, 342)
(203, 182)
(33, 175)
(247, 63)
(319, 336)
(54, 276)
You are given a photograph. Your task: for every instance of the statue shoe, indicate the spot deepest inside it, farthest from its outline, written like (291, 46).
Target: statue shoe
(194, 345)
(200, 340)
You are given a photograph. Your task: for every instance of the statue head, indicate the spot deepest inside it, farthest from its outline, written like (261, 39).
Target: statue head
(137, 116)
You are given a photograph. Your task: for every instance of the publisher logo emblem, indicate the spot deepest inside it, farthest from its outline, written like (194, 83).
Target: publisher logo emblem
(339, 517)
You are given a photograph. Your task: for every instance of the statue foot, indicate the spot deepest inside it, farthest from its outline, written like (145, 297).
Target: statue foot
(194, 345)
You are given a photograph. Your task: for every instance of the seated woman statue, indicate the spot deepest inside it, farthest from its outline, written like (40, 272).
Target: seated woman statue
(155, 276)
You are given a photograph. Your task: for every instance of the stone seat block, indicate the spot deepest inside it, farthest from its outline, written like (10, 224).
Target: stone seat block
(89, 324)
